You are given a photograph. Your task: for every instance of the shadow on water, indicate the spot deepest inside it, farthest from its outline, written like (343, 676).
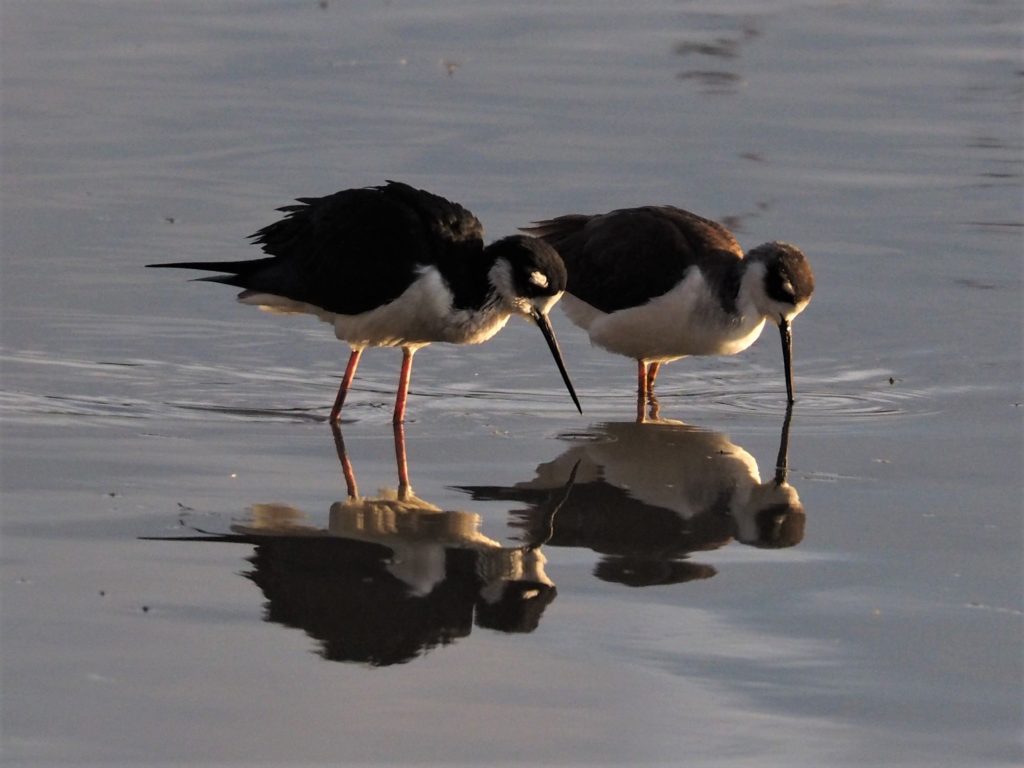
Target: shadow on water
(393, 576)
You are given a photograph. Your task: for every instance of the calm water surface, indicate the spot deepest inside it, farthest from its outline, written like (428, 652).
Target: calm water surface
(195, 570)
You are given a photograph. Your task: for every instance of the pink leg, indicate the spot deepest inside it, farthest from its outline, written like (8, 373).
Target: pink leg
(346, 382)
(646, 373)
(654, 408)
(641, 390)
(403, 384)
(652, 374)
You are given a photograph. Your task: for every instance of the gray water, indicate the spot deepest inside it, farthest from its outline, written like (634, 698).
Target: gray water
(141, 411)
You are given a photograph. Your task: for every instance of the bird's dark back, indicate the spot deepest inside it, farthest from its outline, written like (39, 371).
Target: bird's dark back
(360, 248)
(627, 257)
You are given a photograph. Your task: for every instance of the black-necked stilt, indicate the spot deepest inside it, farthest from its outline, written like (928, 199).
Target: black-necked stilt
(658, 283)
(395, 266)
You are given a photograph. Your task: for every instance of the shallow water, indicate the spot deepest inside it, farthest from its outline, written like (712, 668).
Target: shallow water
(647, 619)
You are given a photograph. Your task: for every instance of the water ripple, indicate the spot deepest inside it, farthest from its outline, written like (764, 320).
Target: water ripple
(134, 388)
(841, 405)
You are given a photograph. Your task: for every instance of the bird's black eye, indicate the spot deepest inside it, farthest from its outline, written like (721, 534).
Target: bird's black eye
(779, 287)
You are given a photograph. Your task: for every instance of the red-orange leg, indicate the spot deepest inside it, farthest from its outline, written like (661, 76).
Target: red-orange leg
(646, 373)
(652, 374)
(641, 390)
(346, 382)
(403, 384)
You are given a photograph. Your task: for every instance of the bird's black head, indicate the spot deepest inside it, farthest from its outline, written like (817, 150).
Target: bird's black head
(781, 291)
(788, 278)
(528, 273)
(529, 278)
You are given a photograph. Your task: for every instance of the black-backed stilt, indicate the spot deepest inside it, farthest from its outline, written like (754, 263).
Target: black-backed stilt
(395, 266)
(658, 283)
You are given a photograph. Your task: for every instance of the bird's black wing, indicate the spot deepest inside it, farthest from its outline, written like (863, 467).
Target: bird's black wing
(629, 256)
(358, 249)
(354, 250)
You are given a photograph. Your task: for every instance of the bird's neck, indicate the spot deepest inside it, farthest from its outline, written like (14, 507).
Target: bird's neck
(468, 276)
(751, 300)
(478, 324)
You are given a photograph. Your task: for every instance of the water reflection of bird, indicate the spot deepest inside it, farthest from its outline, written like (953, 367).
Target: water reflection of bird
(660, 283)
(394, 266)
(392, 576)
(647, 495)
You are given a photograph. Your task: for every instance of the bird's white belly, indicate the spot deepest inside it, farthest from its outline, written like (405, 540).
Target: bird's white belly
(422, 314)
(688, 320)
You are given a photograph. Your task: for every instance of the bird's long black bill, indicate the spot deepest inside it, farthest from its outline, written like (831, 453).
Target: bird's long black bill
(787, 357)
(549, 337)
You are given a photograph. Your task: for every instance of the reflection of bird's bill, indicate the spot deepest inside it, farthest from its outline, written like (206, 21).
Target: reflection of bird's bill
(549, 336)
(787, 356)
(782, 460)
(548, 525)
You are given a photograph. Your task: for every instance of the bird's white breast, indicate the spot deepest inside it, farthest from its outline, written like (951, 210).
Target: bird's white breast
(687, 320)
(422, 314)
